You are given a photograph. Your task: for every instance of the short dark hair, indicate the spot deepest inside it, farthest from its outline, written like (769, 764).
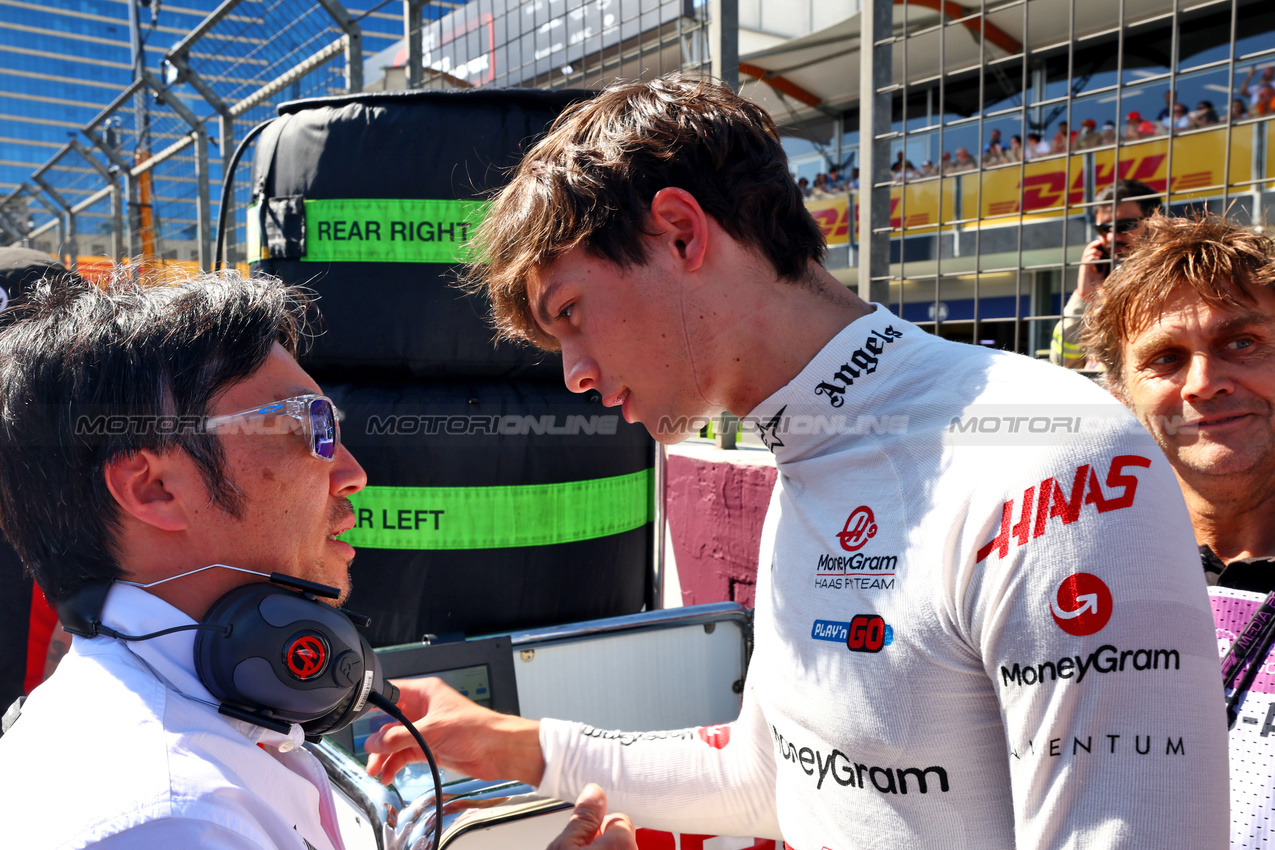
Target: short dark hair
(1221, 262)
(591, 181)
(123, 351)
(1147, 199)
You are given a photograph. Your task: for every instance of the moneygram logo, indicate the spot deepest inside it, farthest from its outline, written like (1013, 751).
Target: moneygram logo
(864, 633)
(1082, 605)
(861, 526)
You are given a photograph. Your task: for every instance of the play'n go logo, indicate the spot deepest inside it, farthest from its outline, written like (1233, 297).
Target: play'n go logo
(861, 526)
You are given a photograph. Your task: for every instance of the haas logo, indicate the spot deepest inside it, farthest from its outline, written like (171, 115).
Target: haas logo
(1083, 605)
(715, 736)
(306, 655)
(861, 527)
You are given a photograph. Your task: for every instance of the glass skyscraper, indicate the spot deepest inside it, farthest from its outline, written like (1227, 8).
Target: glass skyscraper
(63, 61)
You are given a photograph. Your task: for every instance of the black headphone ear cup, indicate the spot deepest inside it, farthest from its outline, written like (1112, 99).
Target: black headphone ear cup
(355, 705)
(280, 652)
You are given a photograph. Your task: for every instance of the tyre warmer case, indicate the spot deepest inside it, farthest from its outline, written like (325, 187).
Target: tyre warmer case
(496, 499)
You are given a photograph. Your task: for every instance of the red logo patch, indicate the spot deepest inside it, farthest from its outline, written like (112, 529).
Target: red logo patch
(1083, 605)
(716, 737)
(306, 656)
(1054, 500)
(861, 526)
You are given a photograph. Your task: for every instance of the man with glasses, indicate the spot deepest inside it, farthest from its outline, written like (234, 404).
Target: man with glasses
(147, 432)
(162, 441)
(1117, 217)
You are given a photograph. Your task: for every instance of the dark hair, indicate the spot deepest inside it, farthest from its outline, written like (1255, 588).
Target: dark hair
(1130, 190)
(590, 183)
(1221, 262)
(91, 373)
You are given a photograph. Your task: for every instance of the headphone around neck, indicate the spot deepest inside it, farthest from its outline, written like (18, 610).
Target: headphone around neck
(270, 652)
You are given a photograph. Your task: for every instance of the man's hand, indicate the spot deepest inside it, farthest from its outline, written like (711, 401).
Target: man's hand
(591, 827)
(1094, 268)
(464, 737)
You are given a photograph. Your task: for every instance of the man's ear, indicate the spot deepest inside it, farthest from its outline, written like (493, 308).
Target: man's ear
(155, 489)
(682, 226)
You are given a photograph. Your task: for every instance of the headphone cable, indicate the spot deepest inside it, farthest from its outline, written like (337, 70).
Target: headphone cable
(392, 710)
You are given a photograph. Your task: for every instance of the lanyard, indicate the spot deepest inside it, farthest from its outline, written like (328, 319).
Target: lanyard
(1244, 660)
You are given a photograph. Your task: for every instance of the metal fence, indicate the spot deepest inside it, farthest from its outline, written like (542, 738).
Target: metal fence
(984, 248)
(978, 237)
(140, 180)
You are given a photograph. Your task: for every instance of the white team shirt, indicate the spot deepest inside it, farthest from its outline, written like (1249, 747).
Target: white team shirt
(109, 753)
(981, 623)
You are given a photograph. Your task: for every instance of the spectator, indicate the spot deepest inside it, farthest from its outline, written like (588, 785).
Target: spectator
(1108, 133)
(1186, 329)
(1178, 119)
(854, 178)
(1259, 102)
(835, 182)
(945, 163)
(993, 139)
(963, 161)
(1204, 115)
(1036, 147)
(1015, 152)
(927, 169)
(820, 189)
(804, 185)
(1264, 100)
(1117, 216)
(1133, 123)
(1088, 136)
(1239, 109)
(994, 155)
(1062, 140)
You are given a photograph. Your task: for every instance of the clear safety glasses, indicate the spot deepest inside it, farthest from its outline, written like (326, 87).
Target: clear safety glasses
(316, 413)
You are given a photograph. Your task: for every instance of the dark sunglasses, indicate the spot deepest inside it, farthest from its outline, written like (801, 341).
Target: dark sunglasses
(316, 413)
(1123, 225)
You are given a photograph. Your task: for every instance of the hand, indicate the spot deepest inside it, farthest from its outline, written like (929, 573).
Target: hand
(591, 827)
(464, 737)
(1094, 268)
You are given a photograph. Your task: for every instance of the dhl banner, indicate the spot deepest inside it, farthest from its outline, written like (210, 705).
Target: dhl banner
(1270, 160)
(1053, 187)
(918, 203)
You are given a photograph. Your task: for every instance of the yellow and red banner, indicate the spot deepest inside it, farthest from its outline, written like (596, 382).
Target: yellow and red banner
(1049, 188)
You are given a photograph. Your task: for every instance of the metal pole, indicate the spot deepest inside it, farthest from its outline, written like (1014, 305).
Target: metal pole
(413, 23)
(202, 217)
(656, 598)
(134, 214)
(728, 43)
(353, 44)
(876, 22)
(117, 220)
(72, 245)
